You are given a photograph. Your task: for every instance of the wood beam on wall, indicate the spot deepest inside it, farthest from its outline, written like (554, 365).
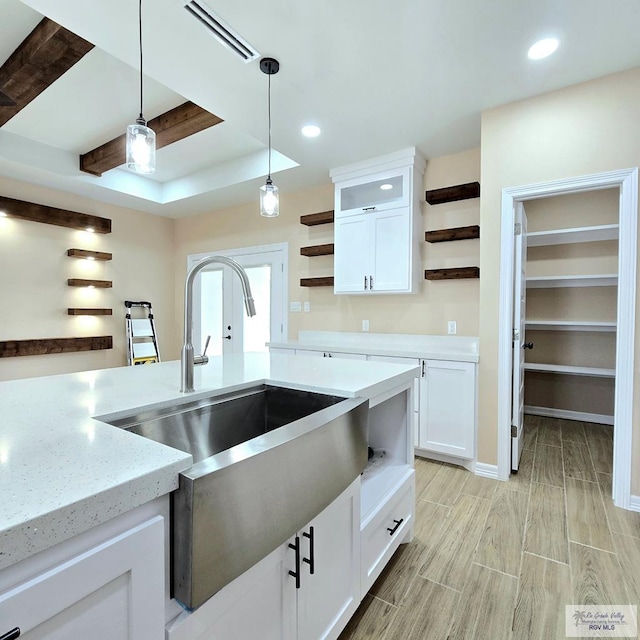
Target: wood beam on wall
(170, 127)
(51, 215)
(44, 55)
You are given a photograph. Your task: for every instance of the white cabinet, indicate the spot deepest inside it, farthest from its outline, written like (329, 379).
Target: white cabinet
(448, 407)
(267, 602)
(114, 591)
(377, 243)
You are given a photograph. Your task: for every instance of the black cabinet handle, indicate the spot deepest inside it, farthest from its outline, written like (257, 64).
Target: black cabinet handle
(398, 523)
(311, 561)
(527, 345)
(294, 574)
(11, 635)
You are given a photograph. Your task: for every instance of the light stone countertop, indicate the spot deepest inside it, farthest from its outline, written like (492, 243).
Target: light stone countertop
(430, 347)
(62, 471)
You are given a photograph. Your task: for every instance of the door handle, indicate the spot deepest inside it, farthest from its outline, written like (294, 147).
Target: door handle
(11, 635)
(226, 338)
(527, 345)
(294, 574)
(312, 554)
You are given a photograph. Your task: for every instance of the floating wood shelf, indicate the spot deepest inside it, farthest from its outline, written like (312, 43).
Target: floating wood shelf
(451, 194)
(89, 255)
(317, 250)
(457, 273)
(15, 348)
(89, 312)
(317, 282)
(313, 219)
(50, 215)
(449, 235)
(81, 282)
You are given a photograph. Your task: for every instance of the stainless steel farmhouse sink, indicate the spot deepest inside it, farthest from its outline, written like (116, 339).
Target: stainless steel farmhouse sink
(266, 461)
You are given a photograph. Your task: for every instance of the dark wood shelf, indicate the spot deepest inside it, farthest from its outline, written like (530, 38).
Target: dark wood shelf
(457, 273)
(457, 233)
(317, 250)
(317, 282)
(313, 219)
(81, 282)
(89, 255)
(43, 346)
(451, 194)
(50, 215)
(89, 312)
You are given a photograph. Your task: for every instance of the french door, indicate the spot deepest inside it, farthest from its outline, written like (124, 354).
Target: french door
(219, 304)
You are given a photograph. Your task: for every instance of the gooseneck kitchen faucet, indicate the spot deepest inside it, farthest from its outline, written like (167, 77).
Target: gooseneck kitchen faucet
(187, 358)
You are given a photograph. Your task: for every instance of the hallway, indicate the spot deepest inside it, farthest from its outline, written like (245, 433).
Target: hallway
(494, 560)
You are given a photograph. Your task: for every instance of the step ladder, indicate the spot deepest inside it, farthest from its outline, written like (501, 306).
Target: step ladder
(142, 342)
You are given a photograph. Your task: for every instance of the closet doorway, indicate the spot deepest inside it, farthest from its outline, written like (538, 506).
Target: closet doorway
(568, 277)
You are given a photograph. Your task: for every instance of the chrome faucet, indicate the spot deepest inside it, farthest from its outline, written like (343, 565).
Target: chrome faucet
(187, 358)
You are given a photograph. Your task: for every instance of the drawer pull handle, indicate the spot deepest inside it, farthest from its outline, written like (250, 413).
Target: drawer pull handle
(11, 635)
(311, 560)
(398, 523)
(294, 574)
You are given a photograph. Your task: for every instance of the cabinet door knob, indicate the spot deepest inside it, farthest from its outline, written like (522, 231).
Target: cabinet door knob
(311, 560)
(527, 345)
(294, 574)
(11, 635)
(395, 528)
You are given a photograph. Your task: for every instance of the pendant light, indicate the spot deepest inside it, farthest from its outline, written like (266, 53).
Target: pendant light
(141, 140)
(269, 198)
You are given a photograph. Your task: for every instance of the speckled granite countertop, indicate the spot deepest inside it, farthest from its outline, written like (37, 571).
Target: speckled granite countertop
(62, 471)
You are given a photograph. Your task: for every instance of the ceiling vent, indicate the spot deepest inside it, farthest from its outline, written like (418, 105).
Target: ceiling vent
(222, 31)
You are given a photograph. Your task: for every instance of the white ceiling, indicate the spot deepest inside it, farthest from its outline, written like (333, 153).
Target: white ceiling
(376, 75)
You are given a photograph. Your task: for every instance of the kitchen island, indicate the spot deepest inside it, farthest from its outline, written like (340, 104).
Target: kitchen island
(72, 484)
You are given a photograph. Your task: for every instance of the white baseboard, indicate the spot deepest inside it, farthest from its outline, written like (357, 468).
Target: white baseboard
(634, 503)
(443, 457)
(486, 470)
(547, 412)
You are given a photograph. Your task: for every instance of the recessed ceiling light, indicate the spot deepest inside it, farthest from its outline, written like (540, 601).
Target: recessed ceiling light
(311, 130)
(542, 48)
(386, 186)
(90, 230)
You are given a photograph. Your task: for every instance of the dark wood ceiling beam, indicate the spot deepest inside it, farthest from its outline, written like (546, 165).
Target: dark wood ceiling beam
(44, 55)
(174, 125)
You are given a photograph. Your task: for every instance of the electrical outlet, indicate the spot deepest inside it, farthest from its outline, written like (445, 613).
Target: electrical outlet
(451, 327)
(307, 306)
(295, 307)
(365, 325)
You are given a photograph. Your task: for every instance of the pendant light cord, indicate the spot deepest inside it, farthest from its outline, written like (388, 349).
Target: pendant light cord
(269, 111)
(140, 34)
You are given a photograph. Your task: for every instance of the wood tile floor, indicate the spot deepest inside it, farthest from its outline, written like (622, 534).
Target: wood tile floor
(499, 560)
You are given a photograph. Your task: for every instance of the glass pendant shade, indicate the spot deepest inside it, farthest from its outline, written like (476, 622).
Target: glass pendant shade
(141, 147)
(269, 200)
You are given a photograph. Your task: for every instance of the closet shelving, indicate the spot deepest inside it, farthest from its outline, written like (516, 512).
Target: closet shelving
(561, 237)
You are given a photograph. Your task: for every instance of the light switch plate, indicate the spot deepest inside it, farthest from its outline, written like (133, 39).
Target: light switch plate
(307, 306)
(365, 325)
(451, 327)
(295, 307)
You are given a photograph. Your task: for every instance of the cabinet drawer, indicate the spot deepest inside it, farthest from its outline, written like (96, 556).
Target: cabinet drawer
(383, 535)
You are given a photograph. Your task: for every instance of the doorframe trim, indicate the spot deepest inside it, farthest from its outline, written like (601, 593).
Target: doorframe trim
(626, 180)
(283, 247)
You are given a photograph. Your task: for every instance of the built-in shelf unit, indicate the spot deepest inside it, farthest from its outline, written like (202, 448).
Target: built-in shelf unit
(563, 318)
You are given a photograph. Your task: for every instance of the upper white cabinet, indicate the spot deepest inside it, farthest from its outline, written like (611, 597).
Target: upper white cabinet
(377, 224)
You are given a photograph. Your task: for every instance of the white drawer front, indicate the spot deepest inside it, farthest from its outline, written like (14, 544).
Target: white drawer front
(383, 535)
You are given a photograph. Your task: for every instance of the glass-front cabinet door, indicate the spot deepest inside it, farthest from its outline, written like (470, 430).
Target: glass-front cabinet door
(377, 192)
